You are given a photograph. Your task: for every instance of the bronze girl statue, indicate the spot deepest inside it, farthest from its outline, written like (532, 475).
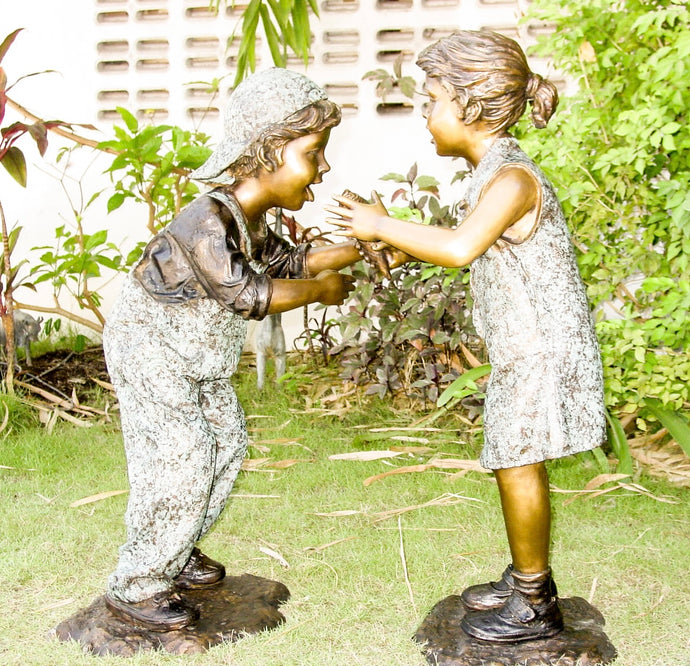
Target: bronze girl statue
(544, 398)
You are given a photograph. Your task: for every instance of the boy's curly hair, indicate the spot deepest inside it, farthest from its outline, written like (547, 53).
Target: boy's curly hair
(265, 151)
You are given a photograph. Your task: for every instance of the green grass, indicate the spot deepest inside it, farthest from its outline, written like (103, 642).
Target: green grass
(351, 604)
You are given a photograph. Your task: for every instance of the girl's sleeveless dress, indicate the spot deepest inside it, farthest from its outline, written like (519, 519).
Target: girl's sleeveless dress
(545, 397)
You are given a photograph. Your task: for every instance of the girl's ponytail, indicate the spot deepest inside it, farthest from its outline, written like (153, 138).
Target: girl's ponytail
(543, 96)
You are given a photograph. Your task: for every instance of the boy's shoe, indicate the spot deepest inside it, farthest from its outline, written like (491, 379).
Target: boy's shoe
(530, 612)
(165, 611)
(487, 596)
(199, 571)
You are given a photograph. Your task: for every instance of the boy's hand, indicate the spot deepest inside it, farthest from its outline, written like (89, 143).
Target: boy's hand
(371, 252)
(334, 287)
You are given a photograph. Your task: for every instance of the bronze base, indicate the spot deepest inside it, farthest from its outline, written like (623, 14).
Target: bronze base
(235, 606)
(582, 642)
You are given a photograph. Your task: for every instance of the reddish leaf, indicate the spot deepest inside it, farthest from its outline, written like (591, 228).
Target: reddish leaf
(13, 132)
(7, 42)
(40, 135)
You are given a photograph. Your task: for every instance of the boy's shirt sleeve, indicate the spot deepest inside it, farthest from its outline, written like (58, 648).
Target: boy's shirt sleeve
(195, 258)
(284, 260)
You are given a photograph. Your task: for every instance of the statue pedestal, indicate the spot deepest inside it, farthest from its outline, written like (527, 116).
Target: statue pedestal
(581, 643)
(237, 605)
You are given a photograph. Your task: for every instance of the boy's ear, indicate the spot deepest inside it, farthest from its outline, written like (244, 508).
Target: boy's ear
(279, 155)
(269, 158)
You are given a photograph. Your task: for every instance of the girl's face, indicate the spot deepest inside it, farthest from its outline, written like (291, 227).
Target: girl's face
(303, 163)
(444, 119)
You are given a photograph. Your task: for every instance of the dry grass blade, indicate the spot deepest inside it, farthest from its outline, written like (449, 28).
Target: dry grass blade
(365, 456)
(319, 549)
(471, 358)
(106, 385)
(436, 463)
(339, 514)
(61, 402)
(253, 464)
(275, 555)
(282, 441)
(284, 464)
(97, 498)
(601, 479)
(56, 604)
(403, 559)
(73, 419)
(411, 469)
(6, 418)
(668, 460)
(398, 429)
(637, 488)
(459, 463)
(447, 499)
(414, 450)
(593, 489)
(251, 496)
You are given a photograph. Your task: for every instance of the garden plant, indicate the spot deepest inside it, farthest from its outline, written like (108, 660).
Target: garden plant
(357, 538)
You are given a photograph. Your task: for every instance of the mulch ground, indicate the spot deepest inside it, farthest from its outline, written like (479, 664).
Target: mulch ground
(65, 373)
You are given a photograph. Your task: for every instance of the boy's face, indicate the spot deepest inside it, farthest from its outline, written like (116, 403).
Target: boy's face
(303, 163)
(444, 119)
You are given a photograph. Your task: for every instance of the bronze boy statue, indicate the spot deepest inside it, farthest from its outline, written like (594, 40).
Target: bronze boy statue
(174, 337)
(545, 394)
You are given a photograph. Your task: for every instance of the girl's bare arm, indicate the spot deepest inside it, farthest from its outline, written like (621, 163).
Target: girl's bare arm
(511, 194)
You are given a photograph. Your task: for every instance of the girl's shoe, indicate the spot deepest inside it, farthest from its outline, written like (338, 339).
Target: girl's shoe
(530, 612)
(487, 596)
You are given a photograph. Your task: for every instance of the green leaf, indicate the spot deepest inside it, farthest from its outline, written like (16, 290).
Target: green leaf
(191, 157)
(130, 120)
(395, 177)
(273, 39)
(673, 421)
(15, 163)
(619, 444)
(300, 19)
(465, 381)
(115, 201)
(96, 239)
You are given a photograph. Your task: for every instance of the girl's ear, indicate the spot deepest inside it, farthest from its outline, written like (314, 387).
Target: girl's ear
(473, 111)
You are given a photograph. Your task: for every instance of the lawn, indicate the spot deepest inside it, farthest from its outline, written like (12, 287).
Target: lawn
(364, 561)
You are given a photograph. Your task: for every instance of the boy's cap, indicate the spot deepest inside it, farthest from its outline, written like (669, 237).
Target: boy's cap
(262, 99)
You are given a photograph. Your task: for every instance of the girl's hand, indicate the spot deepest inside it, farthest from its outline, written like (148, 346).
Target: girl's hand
(357, 220)
(334, 287)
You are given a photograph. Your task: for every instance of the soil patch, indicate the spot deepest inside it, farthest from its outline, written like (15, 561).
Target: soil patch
(64, 372)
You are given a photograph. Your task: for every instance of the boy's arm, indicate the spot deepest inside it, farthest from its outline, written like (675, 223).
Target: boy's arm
(328, 287)
(332, 257)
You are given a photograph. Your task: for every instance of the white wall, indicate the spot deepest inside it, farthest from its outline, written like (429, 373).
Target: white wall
(65, 36)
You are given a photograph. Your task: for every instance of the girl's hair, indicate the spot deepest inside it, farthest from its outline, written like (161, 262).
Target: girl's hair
(265, 151)
(488, 75)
